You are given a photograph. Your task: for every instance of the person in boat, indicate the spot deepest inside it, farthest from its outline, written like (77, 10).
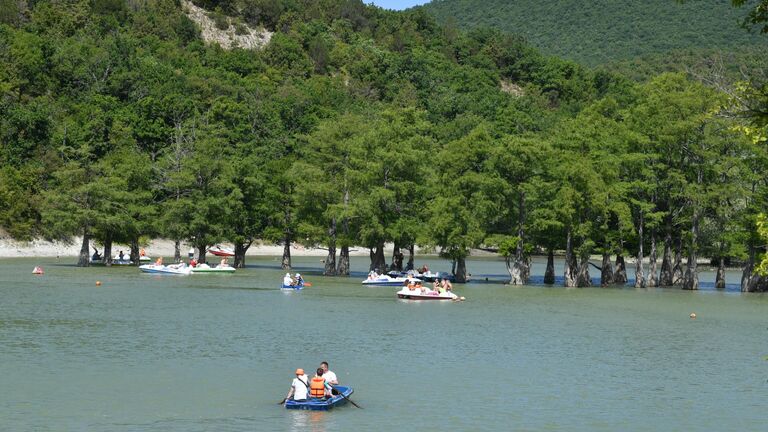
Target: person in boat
(191, 253)
(224, 262)
(372, 275)
(424, 269)
(299, 280)
(193, 262)
(142, 252)
(447, 285)
(159, 261)
(299, 387)
(121, 256)
(288, 280)
(319, 387)
(330, 377)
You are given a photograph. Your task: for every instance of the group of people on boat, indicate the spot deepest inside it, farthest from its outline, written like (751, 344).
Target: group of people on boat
(321, 386)
(438, 286)
(293, 281)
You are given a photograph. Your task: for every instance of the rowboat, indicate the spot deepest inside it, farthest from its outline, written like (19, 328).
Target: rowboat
(321, 404)
(179, 269)
(220, 251)
(418, 294)
(205, 268)
(292, 287)
(386, 280)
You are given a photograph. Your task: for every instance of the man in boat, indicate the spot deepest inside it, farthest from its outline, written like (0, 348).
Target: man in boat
(288, 280)
(299, 387)
(299, 280)
(319, 387)
(330, 377)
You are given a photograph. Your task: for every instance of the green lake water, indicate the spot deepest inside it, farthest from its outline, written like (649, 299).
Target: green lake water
(217, 352)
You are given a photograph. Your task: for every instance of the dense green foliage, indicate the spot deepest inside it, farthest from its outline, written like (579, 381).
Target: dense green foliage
(356, 126)
(606, 31)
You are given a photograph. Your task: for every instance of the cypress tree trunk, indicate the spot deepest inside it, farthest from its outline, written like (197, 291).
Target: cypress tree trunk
(652, 281)
(583, 279)
(177, 251)
(135, 257)
(330, 260)
(606, 270)
(639, 277)
(749, 267)
(83, 260)
(461, 270)
(202, 248)
(620, 277)
(285, 263)
(677, 269)
(108, 250)
(720, 276)
(378, 262)
(570, 272)
(666, 262)
(549, 273)
(343, 268)
(691, 278)
(519, 269)
(411, 257)
(397, 259)
(240, 250)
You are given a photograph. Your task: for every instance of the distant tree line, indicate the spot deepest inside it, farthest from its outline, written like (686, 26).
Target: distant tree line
(359, 127)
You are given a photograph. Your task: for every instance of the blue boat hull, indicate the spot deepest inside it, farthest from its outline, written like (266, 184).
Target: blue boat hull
(292, 287)
(321, 404)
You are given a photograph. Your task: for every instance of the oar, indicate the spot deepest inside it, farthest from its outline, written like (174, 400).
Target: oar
(282, 401)
(307, 284)
(348, 399)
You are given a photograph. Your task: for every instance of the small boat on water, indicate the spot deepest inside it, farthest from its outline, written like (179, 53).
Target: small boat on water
(221, 251)
(419, 294)
(205, 268)
(292, 287)
(427, 276)
(179, 269)
(387, 280)
(321, 404)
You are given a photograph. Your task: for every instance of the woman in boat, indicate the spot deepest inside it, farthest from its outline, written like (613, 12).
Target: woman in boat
(224, 262)
(159, 261)
(299, 387)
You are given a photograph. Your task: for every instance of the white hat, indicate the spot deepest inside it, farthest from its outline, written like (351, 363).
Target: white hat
(287, 275)
(298, 275)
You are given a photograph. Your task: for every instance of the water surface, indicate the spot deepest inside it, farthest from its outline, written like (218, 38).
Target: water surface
(216, 352)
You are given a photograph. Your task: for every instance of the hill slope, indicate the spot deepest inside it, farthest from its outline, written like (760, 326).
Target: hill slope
(601, 31)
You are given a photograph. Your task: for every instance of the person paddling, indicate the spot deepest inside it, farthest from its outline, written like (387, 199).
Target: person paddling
(299, 387)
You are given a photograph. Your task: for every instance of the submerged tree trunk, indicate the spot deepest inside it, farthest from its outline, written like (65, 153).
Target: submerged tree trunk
(569, 273)
(666, 262)
(83, 260)
(652, 281)
(330, 260)
(518, 266)
(639, 276)
(583, 279)
(202, 248)
(691, 278)
(177, 251)
(108, 251)
(411, 257)
(620, 277)
(677, 269)
(378, 262)
(397, 259)
(240, 250)
(343, 268)
(720, 276)
(461, 270)
(285, 263)
(606, 270)
(549, 272)
(135, 256)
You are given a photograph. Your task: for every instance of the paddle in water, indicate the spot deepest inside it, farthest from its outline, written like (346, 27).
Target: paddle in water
(348, 399)
(282, 401)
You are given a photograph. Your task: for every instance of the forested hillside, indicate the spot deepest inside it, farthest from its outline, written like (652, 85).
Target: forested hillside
(595, 32)
(355, 127)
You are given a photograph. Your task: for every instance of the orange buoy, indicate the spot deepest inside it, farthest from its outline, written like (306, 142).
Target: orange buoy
(98, 283)
(37, 270)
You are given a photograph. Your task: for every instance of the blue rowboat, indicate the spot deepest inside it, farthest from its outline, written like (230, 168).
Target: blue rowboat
(321, 404)
(292, 287)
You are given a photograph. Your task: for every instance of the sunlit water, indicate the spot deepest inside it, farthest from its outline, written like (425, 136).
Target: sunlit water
(217, 353)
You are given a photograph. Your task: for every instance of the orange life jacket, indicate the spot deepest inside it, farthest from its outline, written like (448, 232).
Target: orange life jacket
(317, 387)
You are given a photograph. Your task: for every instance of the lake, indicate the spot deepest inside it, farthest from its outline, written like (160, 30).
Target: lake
(217, 352)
